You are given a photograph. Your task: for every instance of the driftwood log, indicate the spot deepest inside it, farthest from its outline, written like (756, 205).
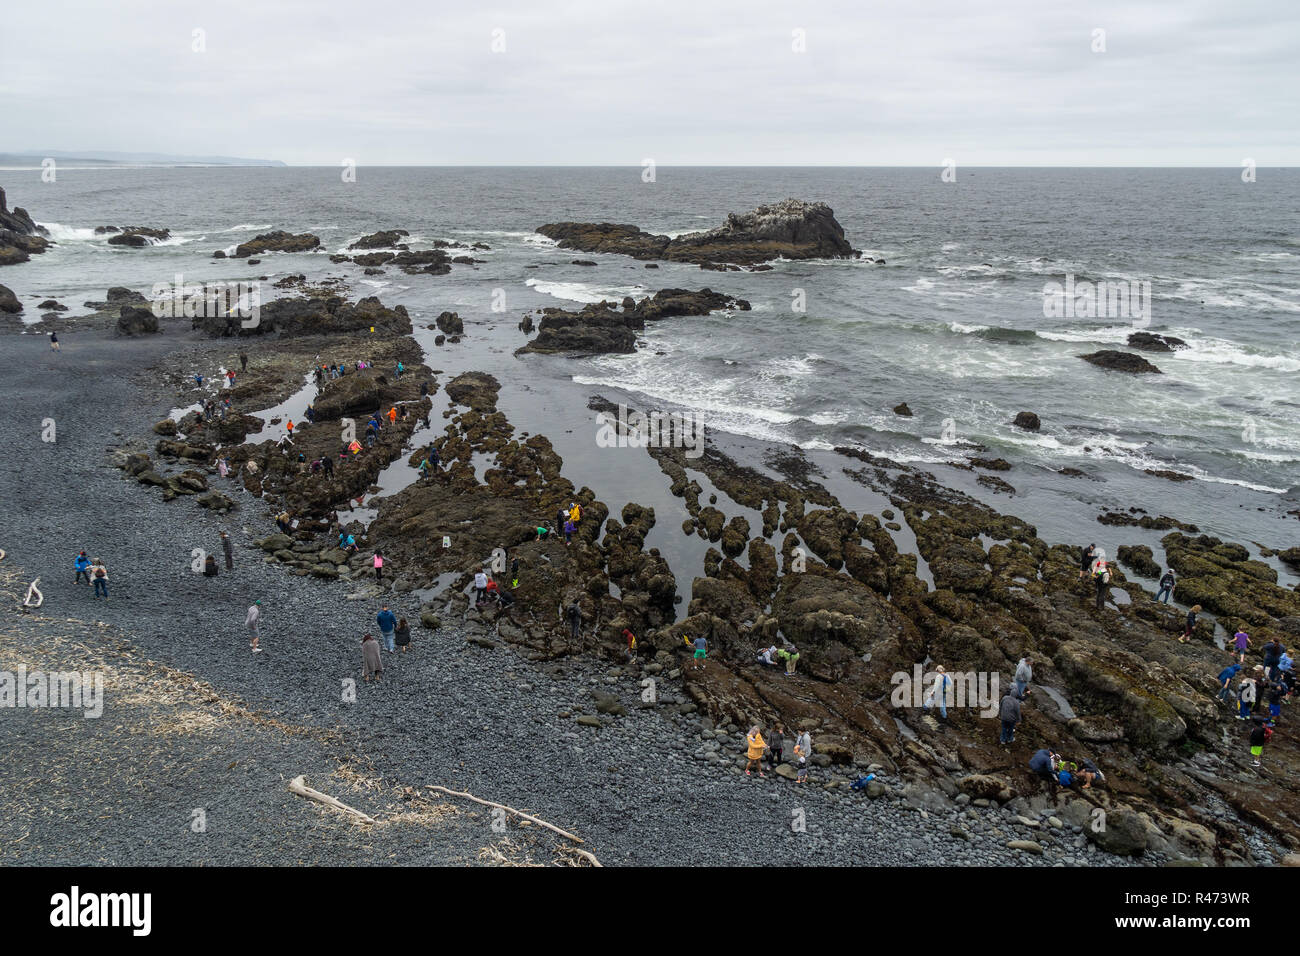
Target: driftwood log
(585, 854)
(299, 786)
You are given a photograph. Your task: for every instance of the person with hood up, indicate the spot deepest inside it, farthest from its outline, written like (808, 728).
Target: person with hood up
(372, 664)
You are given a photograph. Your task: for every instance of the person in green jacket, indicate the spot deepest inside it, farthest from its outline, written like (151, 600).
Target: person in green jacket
(791, 657)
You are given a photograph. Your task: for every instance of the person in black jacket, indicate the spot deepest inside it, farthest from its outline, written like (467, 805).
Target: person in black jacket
(1086, 563)
(1166, 586)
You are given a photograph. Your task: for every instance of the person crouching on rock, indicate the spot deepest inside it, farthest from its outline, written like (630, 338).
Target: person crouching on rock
(754, 751)
(1045, 763)
(372, 665)
(765, 656)
(210, 566)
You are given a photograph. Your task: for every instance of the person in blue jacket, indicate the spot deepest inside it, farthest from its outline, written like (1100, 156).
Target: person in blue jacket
(387, 622)
(1225, 681)
(83, 568)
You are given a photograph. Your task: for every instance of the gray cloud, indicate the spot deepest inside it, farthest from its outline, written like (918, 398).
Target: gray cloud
(588, 82)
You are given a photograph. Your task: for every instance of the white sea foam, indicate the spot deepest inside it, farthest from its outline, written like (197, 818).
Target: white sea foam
(582, 292)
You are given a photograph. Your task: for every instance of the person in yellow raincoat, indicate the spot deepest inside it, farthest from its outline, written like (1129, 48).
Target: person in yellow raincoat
(575, 515)
(754, 754)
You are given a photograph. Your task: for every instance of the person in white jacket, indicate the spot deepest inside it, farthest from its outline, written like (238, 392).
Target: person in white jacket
(254, 634)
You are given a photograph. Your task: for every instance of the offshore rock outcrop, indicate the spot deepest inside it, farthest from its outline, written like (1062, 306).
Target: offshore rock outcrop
(790, 229)
(20, 236)
(604, 328)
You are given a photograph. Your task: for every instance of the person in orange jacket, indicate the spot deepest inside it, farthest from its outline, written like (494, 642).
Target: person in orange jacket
(754, 739)
(392, 415)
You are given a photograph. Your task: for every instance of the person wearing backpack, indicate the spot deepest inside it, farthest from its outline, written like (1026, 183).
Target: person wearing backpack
(1246, 694)
(942, 682)
(1166, 586)
(1101, 577)
(1260, 734)
(99, 574)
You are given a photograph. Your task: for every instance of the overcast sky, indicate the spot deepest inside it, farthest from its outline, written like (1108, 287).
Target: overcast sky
(683, 82)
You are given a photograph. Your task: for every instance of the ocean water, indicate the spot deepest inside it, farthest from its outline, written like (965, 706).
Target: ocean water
(952, 323)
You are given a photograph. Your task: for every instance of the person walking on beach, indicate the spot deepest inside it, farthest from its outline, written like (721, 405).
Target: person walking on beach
(54, 342)
(223, 468)
(1009, 715)
(82, 565)
(243, 362)
(252, 622)
(1240, 643)
(775, 747)
(387, 622)
(1225, 681)
(229, 550)
(1190, 629)
(1024, 674)
(210, 566)
(754, 751)
(99, 574)
(403, 635)
(371, 664)
(803, 755)
(1166, 586)
(942, 682)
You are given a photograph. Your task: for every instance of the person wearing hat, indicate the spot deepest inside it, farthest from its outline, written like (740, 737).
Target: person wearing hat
(942, 682)
(251, 622)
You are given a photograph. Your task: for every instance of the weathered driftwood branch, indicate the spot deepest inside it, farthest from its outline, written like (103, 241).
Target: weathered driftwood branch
(299, 786)
(526, 816)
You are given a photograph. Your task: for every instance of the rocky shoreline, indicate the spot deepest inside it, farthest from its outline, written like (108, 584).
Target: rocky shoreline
(927, 576)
